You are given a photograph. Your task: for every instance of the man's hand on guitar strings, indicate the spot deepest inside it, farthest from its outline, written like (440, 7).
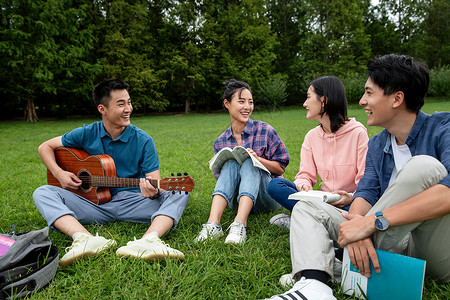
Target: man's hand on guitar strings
(68, 180)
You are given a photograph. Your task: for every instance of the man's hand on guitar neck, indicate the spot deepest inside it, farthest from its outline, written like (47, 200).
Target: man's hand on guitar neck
(68, 180)
(147, 189)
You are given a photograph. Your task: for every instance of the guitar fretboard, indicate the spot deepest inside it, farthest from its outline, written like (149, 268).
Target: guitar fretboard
(112, 182)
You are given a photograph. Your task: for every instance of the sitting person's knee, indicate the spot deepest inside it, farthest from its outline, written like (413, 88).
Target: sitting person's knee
(273, 186)
(425, 166)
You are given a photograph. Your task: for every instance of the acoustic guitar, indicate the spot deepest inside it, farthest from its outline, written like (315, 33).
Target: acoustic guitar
(98, 174)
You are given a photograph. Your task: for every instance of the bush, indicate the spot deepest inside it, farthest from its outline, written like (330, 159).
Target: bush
(354, 86)
(439, 82)
(273, 90)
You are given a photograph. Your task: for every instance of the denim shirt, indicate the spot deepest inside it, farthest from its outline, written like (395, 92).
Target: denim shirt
(430, 135)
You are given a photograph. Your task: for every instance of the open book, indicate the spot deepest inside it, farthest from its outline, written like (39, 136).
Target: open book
(238, 153)
(401, 277)
(315, 195)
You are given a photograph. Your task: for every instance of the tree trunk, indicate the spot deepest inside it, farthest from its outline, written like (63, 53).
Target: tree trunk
(30, 111)
(187, 106)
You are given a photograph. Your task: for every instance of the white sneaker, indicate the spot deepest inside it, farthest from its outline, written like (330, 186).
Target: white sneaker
(287, 280)
(149, 247)
(85, 245)
(238, 233)
(307, 289)
(281, 220)
(210, 231)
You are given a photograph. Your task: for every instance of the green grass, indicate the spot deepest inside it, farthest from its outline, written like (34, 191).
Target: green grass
(211, 271)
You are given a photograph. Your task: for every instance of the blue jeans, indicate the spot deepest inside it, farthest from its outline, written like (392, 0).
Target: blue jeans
(280, 189)
(237, 180)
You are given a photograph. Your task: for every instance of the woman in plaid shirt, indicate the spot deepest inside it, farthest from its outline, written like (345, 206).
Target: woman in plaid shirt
(244, 187)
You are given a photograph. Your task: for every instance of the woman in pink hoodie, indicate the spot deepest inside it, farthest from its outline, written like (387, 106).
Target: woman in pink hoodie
(335, 150)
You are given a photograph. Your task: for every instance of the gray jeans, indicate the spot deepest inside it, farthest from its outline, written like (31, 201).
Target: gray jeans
(127, 206)
(315, 225)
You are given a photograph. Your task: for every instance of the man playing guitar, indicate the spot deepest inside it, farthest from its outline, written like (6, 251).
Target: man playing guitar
(135, 156)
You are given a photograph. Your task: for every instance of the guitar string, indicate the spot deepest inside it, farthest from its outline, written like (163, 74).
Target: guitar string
(105, 181)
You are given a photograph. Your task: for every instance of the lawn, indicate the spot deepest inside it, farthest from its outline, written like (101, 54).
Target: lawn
(213, 270)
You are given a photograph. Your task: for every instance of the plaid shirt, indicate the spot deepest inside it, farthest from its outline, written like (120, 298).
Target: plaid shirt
(259, 136)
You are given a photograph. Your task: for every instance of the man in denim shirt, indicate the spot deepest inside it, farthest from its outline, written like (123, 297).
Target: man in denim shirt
(402, 202)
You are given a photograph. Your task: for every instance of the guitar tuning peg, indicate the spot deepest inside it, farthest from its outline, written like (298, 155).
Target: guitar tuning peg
(172, 174)
(178, 174)
(173, 192)
(186, 174)
(186, 193)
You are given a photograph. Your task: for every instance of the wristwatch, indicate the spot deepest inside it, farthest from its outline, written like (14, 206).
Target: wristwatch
(381, 223)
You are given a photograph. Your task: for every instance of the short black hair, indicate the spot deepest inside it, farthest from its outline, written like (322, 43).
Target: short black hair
(233, 86)
(102, 92)
(335, 101)
(395, 73)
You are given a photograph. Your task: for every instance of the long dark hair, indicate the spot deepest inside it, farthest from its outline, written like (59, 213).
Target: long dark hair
(335, 101)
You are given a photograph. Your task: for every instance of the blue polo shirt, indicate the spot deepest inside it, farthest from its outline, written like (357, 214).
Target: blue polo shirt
(430, 135)
(134, 152)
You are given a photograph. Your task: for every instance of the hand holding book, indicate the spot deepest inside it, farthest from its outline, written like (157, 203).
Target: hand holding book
(400, 277)
(315, 195)
(251, 152)
(344, 200)
(239, 154)
(305, 188)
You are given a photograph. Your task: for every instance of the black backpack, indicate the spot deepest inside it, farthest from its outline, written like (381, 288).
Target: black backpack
(29, 265)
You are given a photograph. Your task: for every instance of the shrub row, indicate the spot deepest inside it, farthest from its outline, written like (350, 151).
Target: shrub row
(439, 84)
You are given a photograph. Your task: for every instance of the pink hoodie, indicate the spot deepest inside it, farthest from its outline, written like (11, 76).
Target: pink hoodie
(339, 158)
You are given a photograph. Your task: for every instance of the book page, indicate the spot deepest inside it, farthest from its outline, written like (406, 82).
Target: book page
(258, 164)
(315, 195)
(352, 281)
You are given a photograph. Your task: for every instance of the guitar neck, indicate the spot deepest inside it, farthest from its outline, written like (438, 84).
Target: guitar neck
(114, 182)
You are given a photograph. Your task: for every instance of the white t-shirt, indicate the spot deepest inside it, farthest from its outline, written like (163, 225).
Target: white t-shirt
(401, 155)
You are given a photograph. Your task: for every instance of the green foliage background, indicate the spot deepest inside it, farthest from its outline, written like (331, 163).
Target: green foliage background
(176, 54)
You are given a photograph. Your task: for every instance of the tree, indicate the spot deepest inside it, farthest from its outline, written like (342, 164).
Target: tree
(175, 54)
(273, 90)
(288, 19)
(236, 42)
(126, 52)
(434, 45)
(384, 38)
(181, 55)
(336, 42)
(407, 15)
(44, 45)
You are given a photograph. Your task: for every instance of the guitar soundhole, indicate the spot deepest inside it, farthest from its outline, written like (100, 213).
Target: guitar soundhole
(85, 181)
